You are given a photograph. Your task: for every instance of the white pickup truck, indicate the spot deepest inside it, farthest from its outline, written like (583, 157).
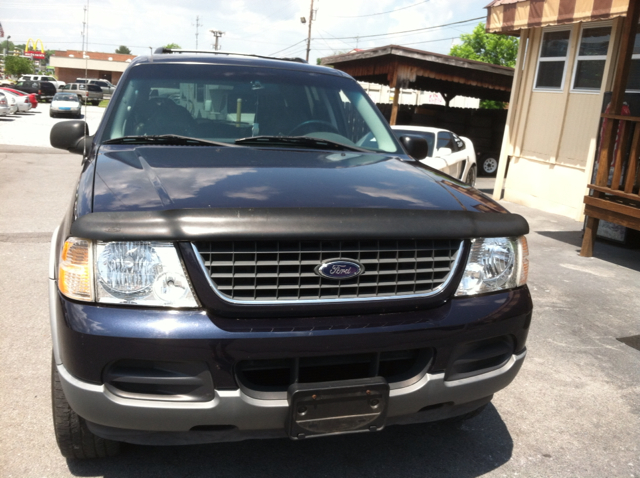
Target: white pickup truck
(50, 79)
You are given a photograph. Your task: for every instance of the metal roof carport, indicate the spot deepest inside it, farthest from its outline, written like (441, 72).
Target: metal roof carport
(401, 67)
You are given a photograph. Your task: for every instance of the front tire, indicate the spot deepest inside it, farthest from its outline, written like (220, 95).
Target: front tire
(74, 438)
(51, 114)
(472, 175)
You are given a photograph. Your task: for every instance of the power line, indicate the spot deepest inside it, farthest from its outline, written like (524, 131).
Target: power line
(381, 13)
(291, 46)
(409, 31)
(333, 37)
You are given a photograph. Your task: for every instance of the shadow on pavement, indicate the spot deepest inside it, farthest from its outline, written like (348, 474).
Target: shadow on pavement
(467, 449)
(606, 251)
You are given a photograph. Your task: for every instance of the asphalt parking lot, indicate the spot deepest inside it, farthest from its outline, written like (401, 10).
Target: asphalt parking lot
(31, 129)
(573, 411)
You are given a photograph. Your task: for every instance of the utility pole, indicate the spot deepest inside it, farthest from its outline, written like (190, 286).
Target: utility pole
(217, 34)
(84, 25)
(309, 35)
(197, 29)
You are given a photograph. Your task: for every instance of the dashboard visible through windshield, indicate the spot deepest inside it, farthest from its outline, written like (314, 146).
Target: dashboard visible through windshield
(223, 103)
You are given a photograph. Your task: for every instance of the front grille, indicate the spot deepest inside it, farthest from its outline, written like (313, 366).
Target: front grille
(399, 368)
(267, 271)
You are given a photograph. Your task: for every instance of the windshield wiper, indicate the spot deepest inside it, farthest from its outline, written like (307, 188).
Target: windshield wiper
(170, 139)
(302, 141)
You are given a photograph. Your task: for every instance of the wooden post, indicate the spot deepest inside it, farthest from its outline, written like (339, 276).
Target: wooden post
(394, 107)
(611, 129)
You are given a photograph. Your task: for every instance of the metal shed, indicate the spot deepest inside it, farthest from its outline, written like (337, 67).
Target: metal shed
(401, 67)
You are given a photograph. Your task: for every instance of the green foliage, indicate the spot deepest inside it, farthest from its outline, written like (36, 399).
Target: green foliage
(124, 50)
(489, 48)
(9, 45)
(14, 65)
(492, 105)
(173, 46)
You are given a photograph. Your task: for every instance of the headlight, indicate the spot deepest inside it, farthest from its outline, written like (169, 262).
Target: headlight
(495, 263)
(132, 273)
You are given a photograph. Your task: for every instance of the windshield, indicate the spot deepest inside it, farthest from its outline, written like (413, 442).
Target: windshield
(225, 103)
(65, 97)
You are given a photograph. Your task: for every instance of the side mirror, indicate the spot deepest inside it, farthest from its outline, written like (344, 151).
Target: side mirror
(444, 152)
(415, 146)
(72, 136)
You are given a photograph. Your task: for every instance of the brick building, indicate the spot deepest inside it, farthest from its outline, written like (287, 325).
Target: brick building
(70, 65)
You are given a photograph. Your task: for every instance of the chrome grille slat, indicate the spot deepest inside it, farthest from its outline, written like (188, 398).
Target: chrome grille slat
(257, 272)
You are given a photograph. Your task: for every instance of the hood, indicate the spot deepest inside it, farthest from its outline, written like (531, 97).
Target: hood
(195, 177)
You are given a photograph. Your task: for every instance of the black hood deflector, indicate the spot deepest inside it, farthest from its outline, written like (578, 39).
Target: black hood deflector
(295, 224)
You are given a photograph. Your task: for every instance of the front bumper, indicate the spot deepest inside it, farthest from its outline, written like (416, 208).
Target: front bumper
(88, 338)
(237, 415)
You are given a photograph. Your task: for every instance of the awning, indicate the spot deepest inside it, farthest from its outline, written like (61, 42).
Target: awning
(402, 67)
(511, 16)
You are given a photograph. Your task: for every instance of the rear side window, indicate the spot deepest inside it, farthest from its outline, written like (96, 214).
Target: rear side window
(458, 142)
(445, 140)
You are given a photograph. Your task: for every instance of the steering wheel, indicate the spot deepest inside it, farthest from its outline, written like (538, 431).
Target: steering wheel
(326, 126)
(160, 101)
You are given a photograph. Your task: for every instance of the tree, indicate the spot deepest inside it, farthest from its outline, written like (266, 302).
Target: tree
(490, 48)
(124, 50)
(15, 65)
(173, 46)
(8, 44)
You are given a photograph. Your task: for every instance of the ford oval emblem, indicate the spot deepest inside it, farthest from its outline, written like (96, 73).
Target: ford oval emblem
(339, 269)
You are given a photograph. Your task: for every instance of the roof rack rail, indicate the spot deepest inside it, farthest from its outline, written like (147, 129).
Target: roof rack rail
(163, 50)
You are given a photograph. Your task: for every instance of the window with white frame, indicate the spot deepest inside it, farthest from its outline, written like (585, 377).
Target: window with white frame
(633, 83)
(552, 61)
(591, 58)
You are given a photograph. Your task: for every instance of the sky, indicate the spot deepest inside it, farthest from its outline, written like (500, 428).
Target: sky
(271, 28)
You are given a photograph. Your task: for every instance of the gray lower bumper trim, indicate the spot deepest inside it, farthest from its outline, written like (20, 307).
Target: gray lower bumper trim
(233, 408)
(141, 437)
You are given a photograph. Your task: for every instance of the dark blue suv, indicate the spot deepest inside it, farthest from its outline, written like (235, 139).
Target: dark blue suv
(250, 252)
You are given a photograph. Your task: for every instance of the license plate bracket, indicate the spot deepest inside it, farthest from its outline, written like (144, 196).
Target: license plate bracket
(332, 408)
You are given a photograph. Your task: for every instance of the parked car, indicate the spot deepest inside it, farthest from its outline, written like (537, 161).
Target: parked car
(11, 102)
(65, 104)
(50, 79)
(106, 86)
(4, 105)
(448, 152)
(33, 99)
(87, 93)
(43, 89)
(488, 164)
(22, 102)
(241, 259)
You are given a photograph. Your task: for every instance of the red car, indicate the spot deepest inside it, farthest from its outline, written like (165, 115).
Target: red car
(32, 96)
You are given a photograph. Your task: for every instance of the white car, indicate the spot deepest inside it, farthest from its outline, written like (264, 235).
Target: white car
(65, 104)
(11, 101)
(22, 103)
(50, 79)
(448, 152)
(4, 105)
